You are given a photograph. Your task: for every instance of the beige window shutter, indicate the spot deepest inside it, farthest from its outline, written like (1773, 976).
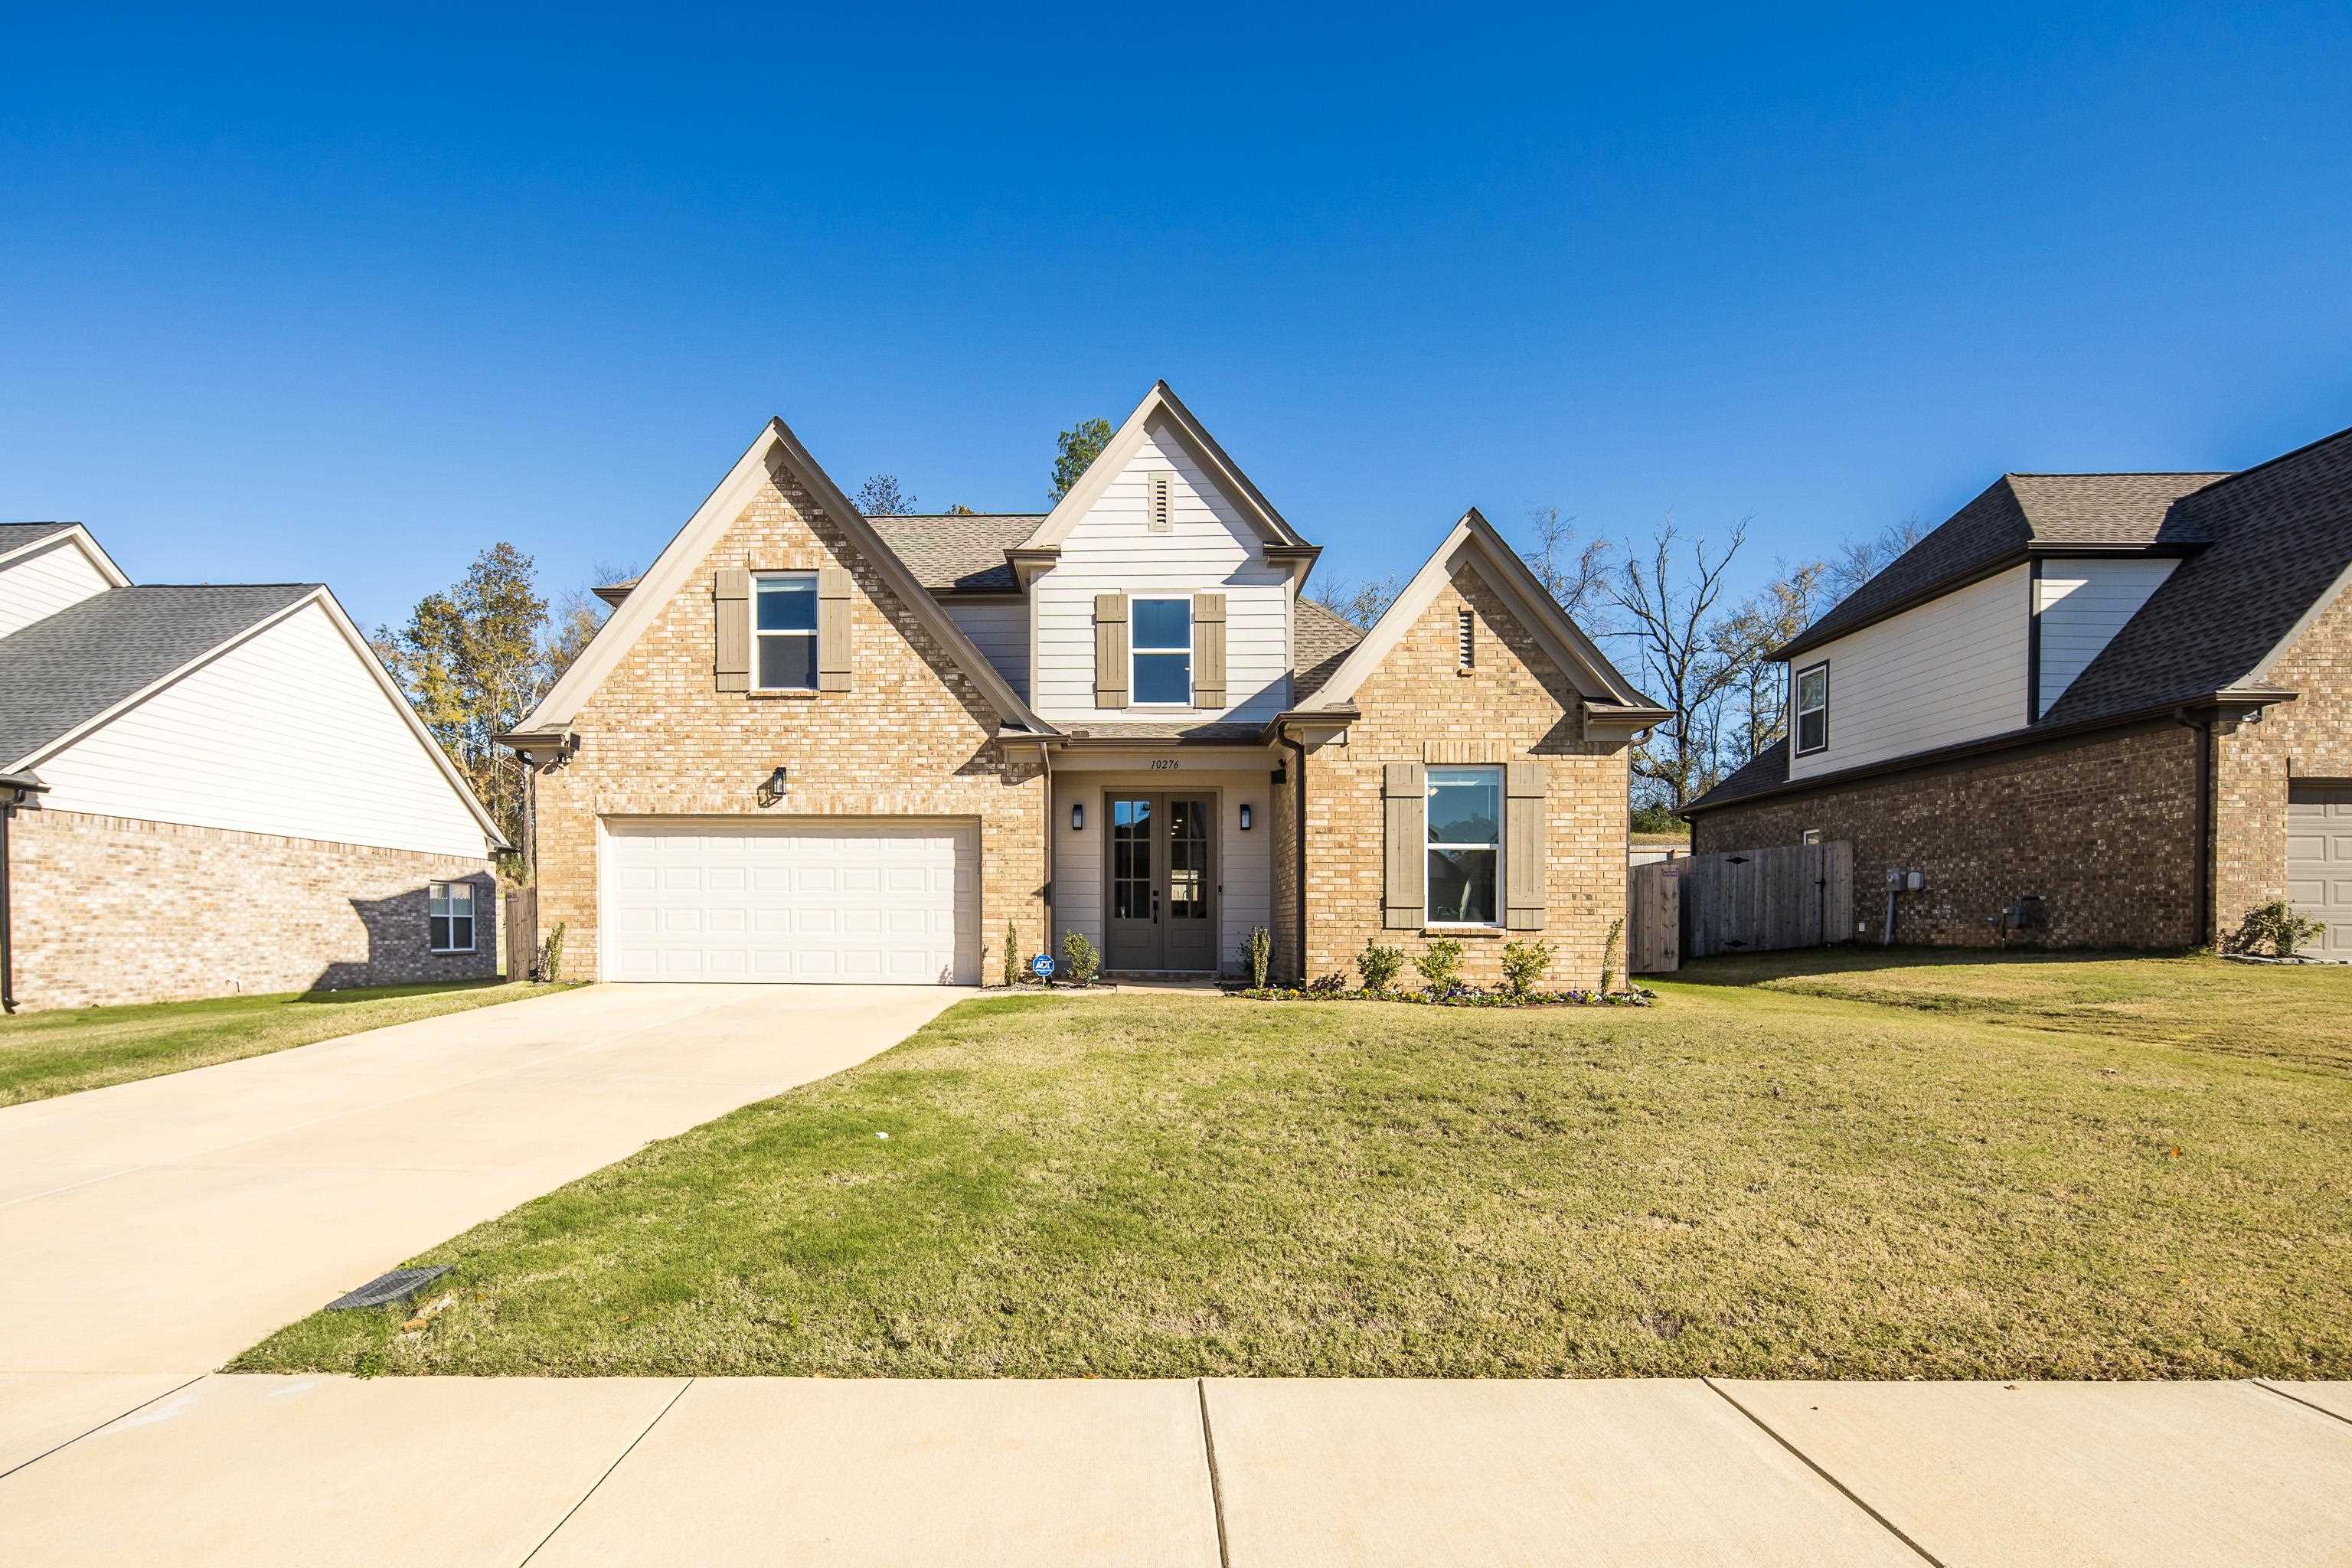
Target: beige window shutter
(832, 628)
(730, 610)
(1110, 650)
(1404, 801)
(1524, 817)
(1208, 650)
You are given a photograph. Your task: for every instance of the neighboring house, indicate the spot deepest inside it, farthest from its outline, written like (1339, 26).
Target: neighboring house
(810, 745)
(2121, 700)
(213, 788)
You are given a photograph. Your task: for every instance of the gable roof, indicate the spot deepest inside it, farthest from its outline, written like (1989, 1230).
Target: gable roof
(32, 538)
(15, 536)
(1321, 638)
(775, 445)
(1162, 404)
(960, 553)
(62, 671)
(2015, 516)
(1475, 539)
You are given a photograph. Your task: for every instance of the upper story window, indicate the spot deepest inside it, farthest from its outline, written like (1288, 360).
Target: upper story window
(450, 916)
(1162, 652)
(1465, 835)
(784, 629)
(1813, 708)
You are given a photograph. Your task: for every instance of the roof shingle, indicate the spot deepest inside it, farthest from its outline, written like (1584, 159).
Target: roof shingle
(15, 536)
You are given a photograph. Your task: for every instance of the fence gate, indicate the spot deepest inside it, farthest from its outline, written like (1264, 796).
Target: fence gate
(1654, 944)
(1751, 901)
(522, 932)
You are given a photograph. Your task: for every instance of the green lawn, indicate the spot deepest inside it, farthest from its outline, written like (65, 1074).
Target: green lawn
(1756, 1181)
(46, 1054)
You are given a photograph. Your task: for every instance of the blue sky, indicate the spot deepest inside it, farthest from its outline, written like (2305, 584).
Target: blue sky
(350, 296)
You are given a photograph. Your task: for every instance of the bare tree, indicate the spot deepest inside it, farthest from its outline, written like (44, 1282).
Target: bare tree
(578, 615)
(1578, 578)
(1857, 561)
(1361, 602)
(1665, 605)
(879, 496)
(1744, 640)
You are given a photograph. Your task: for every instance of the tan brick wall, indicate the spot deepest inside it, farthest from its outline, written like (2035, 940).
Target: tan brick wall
(1516, 705)
(912, 737)
(107, 909)
(2309, 738)
(2103, 828)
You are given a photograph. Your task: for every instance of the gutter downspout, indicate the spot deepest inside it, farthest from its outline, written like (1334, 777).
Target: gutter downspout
(2201, 726)
(15, 790)
(1046, 758)
(1298, 748)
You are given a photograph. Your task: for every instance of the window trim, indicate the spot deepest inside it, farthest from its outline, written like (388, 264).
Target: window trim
(448, 895)
(1797, 714)
(1809, 836)
(1135, 650)
(760, 635)
(1429, 845)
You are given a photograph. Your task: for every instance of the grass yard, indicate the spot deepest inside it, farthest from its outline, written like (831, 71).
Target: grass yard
(1991, 1179)
(46, 1054)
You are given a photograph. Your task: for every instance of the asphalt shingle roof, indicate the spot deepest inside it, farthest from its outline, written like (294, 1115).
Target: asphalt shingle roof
(1323, 639)
(66, 669)
(15, 536)
(959, 551)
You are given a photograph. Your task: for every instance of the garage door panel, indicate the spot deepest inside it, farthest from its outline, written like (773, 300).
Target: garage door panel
(2319, 861)
(804, 900)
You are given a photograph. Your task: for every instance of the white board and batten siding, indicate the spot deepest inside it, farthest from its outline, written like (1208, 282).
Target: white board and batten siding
(2081, 605)
(1243, 869)
(1209, 548)
(45, 580)
(1949, 670)
(289, 732)
(999, 629)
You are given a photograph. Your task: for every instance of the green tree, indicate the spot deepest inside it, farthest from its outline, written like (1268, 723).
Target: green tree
(880, 496)
(472, 661)
(1073, 450)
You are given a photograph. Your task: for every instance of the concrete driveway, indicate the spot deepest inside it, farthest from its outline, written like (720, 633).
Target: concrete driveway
(153, 1230)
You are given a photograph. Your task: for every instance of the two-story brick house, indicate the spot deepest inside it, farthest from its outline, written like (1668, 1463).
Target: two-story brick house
(810, 745)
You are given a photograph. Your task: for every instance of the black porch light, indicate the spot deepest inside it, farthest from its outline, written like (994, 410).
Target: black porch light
(1077, 816)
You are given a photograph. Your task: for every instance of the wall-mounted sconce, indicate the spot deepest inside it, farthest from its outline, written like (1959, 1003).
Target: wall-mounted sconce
(1246, 817)
(771, 793)
(1078, 815)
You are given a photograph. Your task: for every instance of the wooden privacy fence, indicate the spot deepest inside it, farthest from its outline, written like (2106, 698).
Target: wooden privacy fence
(1654, 942)
(1751, 901)
(522, 932)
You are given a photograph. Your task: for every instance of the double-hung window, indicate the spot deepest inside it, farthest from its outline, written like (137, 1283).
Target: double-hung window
(1813, 709)
(1162, 652)
(450, 916)
(1465, 835)
(784, 631)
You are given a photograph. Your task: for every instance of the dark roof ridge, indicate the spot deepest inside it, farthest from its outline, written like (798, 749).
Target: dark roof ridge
(2272, 462)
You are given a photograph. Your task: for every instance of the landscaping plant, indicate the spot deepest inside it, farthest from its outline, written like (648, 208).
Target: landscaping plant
(2276, 928)
(1012, 955)
(1526, 962)
(1079, 955)
(1441, 966)
(1609, 952)
(1260, 950)
(1379, 966)
(551, 956)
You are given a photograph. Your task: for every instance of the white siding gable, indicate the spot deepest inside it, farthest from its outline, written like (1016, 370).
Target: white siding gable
(288, 732)
(35, 586)
(999, 629)
(2081, 605)
(1951, 669)
(1211, 547)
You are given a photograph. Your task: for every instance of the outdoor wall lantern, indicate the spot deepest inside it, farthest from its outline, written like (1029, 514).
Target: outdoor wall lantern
(773, 792)
(1245, 816)
(1078, 815)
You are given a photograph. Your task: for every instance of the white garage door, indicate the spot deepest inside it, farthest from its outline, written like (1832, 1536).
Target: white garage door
(2319, 862)
(846, 901)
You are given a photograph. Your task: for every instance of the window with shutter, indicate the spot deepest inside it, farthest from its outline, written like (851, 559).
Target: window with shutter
(1110, 650)
(730, 611)
(1526, 816)
(1403, 786)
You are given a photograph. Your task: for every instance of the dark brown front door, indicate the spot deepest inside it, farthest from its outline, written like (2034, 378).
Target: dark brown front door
(1162, 892)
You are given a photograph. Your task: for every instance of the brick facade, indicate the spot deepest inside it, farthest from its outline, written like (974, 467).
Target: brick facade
(2309, 738)
(913, 736)
(107, 909)
(2103, 828)
(1419, 706)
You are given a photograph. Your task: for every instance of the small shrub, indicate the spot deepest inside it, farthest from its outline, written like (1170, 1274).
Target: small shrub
(1079, 957)
(1524, 964)
(1379, 966)
(1441, 966)
(2276, 929)
(551, 956)
(1260, 952)
(1609, 953)
(1012, 955)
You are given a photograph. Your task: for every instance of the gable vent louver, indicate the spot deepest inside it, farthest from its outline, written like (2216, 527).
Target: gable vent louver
(1160, 509)
(1469, 645)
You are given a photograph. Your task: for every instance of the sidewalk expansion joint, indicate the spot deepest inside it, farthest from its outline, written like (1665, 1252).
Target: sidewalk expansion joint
(2299, 1399)
(1216, 1483)
(104, 1424)
(1844, 1490)
(607, 1476)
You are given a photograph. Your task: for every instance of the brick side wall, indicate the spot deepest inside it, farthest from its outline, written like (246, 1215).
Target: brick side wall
(912, 737)
(1516, 705)
(2310, 738)
(107, 909)
(1282, 821)
(2104, 829)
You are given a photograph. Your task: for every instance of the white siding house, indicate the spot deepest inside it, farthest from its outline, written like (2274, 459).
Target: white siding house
(45, 572)
(2080, 605)
(999, 629)
(1949, 670)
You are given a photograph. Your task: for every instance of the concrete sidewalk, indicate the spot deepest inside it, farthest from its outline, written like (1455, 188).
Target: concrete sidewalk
(1220, 1474)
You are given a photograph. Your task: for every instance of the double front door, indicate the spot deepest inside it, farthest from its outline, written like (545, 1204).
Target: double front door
(1162, 893)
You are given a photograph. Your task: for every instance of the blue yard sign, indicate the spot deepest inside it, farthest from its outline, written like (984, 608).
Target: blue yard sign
(1042, 966)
